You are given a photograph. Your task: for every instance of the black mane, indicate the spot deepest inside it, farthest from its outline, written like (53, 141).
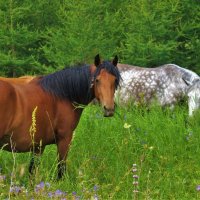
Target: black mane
(74, 83)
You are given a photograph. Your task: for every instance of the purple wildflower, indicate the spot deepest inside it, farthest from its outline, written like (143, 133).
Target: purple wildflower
(135, 176)
(134, 170)
(50, 194)
(39, 187)
(95, 188)
(135, 183)
(59, 193)
(198, 188)
(75, 196)
(41, 184)
(15, 189)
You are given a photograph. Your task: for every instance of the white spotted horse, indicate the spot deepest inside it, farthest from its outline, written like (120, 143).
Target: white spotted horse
(167, 84)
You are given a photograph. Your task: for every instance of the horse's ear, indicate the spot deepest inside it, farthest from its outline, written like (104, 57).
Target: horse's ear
(97, 60)
(115, 60)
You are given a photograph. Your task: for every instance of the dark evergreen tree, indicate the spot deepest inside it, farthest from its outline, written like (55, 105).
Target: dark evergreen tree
(40, 36)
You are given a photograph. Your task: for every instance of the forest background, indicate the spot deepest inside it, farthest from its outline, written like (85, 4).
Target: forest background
(41, 36)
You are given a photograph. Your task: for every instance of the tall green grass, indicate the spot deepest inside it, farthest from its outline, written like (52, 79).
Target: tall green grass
(164, 144)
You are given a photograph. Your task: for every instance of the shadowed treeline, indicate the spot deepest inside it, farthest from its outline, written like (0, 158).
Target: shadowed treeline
(38, 37)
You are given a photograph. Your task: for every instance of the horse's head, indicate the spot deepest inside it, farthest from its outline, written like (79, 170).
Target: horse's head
(106, 79)
(194, 97)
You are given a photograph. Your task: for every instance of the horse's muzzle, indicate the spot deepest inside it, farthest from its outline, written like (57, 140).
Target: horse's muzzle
(108, 112)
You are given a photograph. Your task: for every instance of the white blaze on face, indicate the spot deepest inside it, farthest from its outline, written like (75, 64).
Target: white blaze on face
(194, 98)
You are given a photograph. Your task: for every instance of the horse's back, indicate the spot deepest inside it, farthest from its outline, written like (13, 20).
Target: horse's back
(20, 80)
(166, 83)
(7, 91)
(7, 105)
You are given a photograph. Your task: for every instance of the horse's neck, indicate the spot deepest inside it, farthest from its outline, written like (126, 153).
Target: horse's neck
(90, 95)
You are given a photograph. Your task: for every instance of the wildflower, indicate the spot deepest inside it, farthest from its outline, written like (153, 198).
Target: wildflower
(75, 196)
(39, 187)
(198, 188)
(96, 197)
(50, 194)
(135, 176)
(59, 193)
(126, 125)
(41, 184)
(134, 165)
(95, 188)
(134, 170)
(135, 183)
(47, 184)
(2, 178)
(151, 148)
(15, 190)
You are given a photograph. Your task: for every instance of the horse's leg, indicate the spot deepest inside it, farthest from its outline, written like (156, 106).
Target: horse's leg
(63, 147)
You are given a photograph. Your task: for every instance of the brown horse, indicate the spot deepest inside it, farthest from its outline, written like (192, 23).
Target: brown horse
(20, 80)
(56, 97)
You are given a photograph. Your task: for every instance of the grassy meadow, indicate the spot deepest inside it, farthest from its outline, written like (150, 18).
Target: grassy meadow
(137, 154)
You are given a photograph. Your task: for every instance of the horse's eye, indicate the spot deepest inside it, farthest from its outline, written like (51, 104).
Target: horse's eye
(97, 80)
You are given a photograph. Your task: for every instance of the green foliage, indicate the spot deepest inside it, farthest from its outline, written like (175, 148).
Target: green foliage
(41, 36)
